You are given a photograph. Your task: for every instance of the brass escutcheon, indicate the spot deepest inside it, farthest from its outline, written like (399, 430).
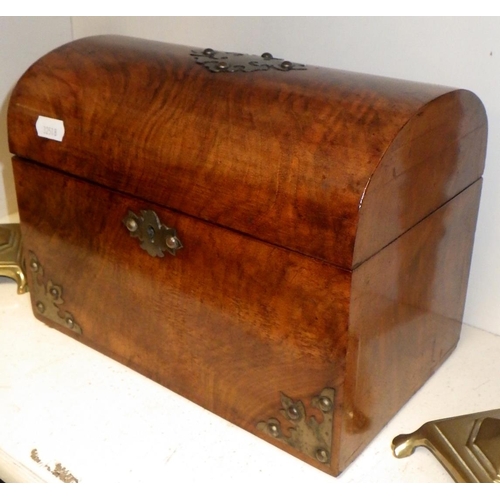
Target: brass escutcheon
(154, 236)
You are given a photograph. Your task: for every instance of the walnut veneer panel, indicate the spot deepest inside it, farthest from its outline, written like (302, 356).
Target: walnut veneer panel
(288, 157)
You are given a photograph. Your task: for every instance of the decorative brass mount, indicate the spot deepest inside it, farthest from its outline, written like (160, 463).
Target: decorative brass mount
(307, 434)
(11, 255)
(232, 62)
(47, 298)
(468, 446)
(154, 236)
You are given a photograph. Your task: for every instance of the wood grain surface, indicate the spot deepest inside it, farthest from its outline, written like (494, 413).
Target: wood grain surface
(327, 221)
(284, 156)
(406, 313)
(229, 322)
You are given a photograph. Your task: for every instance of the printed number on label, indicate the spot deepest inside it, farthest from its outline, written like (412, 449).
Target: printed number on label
(50, 128)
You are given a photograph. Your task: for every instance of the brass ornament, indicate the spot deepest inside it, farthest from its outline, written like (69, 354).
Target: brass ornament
(155, 237)
(11, 255)
(47, 297)
(232, 62)
(307, 435)
(468, 446)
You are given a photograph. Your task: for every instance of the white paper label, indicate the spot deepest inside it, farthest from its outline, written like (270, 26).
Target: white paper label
(50, 128)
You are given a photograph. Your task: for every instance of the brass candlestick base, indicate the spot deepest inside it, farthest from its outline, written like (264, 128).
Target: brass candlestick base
(467, 446)
(10, 255)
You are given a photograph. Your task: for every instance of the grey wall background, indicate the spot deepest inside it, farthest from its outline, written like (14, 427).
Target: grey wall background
(456, 51)
(22, 41)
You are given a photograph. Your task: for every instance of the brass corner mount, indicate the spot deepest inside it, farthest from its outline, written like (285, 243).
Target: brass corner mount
(48, 297)
(301, 432)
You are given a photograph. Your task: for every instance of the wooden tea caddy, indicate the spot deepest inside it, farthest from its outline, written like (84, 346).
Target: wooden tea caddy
(287, 246)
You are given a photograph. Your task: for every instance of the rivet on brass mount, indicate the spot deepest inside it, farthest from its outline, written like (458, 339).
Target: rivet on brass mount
(232, 62)
(468, 446)
(48, 297)
(11, 255)
(307, 434)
